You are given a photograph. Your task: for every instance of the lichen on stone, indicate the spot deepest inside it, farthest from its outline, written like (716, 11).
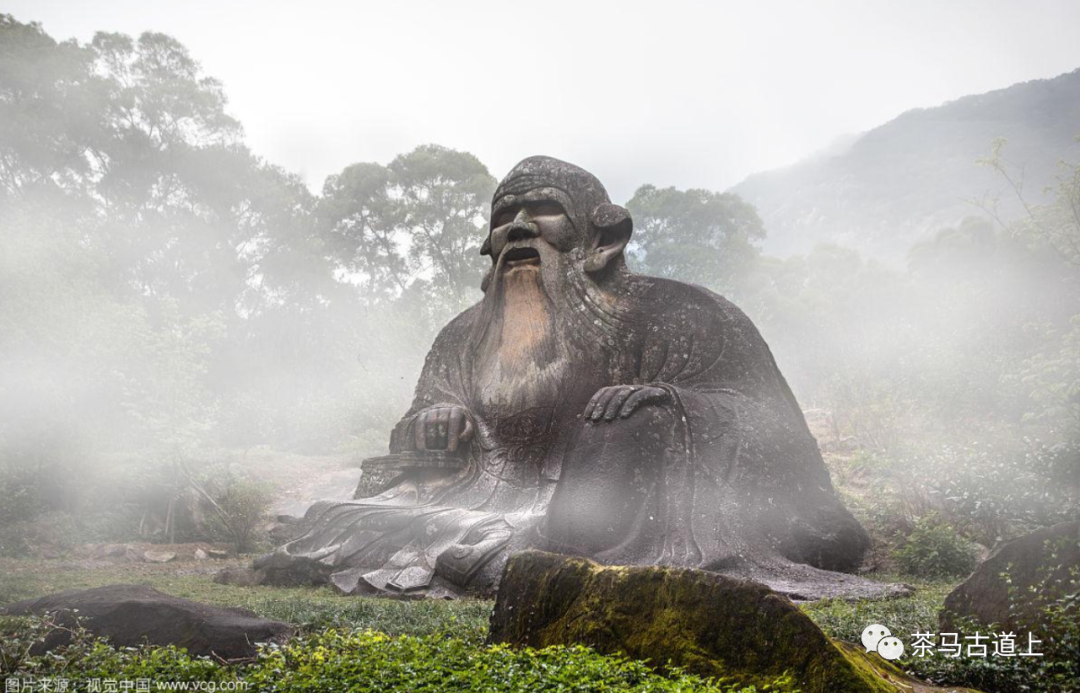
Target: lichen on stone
(735, 631)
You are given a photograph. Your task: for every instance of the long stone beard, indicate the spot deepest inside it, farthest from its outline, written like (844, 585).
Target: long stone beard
(520, 346)
(540, 330)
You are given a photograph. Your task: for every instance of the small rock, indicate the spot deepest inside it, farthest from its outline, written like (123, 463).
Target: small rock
(158, 556)
(219, 554)
(201, 555)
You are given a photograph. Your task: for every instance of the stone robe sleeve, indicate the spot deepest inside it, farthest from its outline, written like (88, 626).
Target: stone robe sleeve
(747, 463)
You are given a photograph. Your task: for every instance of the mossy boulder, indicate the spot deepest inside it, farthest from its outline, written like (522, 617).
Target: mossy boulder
(736, 631)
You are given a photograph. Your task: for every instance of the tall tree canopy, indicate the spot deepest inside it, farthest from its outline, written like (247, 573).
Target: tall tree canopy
(700, 236)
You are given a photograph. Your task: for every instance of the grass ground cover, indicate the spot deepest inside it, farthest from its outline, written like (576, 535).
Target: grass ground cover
(378, 644)
(311, 608)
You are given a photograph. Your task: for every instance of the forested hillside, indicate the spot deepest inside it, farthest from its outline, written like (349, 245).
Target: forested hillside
(887, 189)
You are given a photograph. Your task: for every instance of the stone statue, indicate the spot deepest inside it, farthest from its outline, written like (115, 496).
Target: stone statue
(583, 409)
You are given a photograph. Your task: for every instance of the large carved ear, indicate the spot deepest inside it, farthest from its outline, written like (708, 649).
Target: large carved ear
(614, 226)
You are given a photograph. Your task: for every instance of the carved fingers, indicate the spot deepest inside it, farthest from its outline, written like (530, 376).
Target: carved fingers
(442, 427)
(620, 401)
(460, 429)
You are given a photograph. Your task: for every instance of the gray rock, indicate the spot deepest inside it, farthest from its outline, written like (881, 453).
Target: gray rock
(131, 615)
(1040, 566)
(242, 577)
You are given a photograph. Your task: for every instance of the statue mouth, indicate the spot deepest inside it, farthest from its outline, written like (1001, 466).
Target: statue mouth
(521, 257)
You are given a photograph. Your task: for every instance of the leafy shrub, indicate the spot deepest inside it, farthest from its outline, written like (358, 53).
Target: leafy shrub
(334, 660)
(934, 549)
(1057, 671)
(237, 508)
(20, 504)
(994, 493)
(49, 534)
(338, 660)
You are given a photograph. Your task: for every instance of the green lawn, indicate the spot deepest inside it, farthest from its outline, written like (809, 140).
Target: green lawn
(311, 608)
(318, 607)
(438, 638)
(917, 613)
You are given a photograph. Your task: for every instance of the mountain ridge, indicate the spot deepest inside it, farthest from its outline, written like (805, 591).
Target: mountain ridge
(898, 183)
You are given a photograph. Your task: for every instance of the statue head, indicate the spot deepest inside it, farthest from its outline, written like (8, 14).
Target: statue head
(550, 213)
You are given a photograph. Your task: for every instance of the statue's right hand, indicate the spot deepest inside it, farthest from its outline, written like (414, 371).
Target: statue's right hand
(441, 427)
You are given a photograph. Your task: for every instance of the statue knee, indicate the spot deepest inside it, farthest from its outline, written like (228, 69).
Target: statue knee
(608, 479)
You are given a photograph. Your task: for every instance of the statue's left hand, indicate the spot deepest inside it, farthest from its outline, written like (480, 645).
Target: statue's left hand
(621, 401)
(441, 427)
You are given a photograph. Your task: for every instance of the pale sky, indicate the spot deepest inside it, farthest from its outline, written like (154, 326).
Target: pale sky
(670, 92)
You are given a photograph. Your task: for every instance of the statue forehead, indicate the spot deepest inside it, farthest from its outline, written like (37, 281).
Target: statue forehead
(541, 194)
(538, 172)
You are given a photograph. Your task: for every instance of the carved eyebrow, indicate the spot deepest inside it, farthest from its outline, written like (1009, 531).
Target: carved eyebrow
(500, 210)
(502, 204)
(546, 201)
(518, 202)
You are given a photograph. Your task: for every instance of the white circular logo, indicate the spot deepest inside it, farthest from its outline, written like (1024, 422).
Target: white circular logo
(872, 635)
(890, 648)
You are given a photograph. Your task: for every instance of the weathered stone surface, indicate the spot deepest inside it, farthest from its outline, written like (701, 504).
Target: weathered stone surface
(130, 615)
(712, 625)
(585, 409)
(1040, 566)
(158, 556)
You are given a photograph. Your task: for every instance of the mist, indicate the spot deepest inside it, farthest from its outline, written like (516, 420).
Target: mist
(176, 308)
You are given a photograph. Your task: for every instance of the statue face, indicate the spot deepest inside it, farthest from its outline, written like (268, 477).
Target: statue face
(555, 217)
(531, 229)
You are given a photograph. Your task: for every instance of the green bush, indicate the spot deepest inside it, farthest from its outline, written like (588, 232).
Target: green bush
(934, 549)
(342, 660)
(237, 509)
(994, 492)
(1057, 671)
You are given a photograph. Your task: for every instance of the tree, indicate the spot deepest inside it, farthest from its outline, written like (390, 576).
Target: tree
(444, 197)
(1055, 225)
(698, 236)
(357, 217)
(411, 230)
(52, 107)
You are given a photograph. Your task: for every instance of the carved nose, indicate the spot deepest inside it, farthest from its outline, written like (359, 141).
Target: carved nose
(521, 230)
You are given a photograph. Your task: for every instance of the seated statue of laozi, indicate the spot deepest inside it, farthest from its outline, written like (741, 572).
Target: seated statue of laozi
(583, 409)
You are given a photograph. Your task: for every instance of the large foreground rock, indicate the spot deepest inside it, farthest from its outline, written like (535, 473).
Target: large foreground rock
(1040, 566)
(130, 615)
(738, 631)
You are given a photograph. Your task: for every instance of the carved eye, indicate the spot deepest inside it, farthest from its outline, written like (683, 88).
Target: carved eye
(547, 208)
(504, 217)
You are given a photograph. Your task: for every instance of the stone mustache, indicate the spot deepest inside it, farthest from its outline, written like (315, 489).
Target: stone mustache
(584, 409)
